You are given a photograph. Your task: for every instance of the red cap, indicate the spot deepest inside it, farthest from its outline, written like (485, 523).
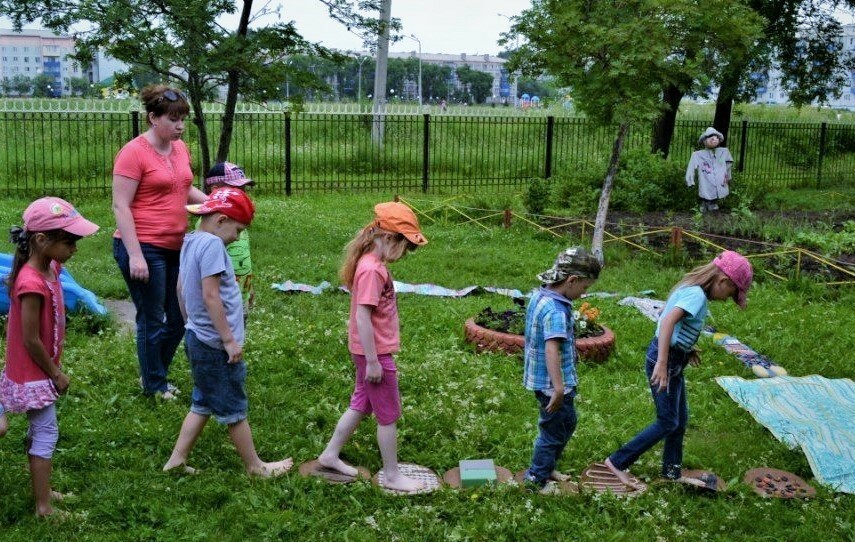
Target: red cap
(231, 202)
(52, 213)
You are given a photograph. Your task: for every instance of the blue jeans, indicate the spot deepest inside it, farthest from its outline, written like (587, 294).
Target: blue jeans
(672, 416)
(555, 430)
(160, 325)
(218, 386)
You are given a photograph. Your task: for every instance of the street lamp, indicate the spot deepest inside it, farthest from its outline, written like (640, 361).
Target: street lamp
(417, 40)
(360, 59)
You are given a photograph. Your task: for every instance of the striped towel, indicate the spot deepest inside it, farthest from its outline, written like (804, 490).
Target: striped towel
(811, 412)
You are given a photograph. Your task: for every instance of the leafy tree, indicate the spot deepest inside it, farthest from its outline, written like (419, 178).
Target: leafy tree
(616, 57)
(478, 84)
(435, 81)
(183, 42)
(80, 86)
(45, 86)
(536, 86)
(20, 85)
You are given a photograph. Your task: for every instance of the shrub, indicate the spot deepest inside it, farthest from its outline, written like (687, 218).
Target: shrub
(577, 194)
(647, 182)
(536, 196)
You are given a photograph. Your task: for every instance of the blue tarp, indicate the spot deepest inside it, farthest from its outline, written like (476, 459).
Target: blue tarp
(76, 297)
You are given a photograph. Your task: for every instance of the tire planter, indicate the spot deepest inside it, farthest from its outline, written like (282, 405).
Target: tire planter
(592, 349)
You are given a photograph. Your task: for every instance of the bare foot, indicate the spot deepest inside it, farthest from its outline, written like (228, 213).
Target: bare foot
(402, 483)
(623, 476)
(558, 476)
(184, 467)
(272, 470)
(691, 481)
(336, 464)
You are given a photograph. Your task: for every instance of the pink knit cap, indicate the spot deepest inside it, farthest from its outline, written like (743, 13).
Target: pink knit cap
(738, 269)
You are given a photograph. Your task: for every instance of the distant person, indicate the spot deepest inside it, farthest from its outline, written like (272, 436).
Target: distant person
(728, 276)
(443, 106)
(212, 305)
(711, 167)
(228, 174)
(550, 360)
(33, 378)
(152, 182)
(373, 338)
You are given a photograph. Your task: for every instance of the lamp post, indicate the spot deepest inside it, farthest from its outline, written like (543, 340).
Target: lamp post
(359, 59)
(417, 40)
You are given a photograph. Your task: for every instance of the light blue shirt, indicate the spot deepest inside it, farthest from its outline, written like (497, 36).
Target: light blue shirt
(693, 301)
(549, 316)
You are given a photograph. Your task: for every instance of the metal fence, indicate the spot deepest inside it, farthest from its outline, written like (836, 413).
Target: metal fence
(67, 153)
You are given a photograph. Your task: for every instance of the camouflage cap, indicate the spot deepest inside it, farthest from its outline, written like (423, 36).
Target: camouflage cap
(573, 261)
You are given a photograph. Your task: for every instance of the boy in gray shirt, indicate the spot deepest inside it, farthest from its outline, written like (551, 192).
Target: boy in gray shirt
(212, 306)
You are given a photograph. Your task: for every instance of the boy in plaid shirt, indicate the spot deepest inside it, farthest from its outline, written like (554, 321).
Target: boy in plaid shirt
(550, 359)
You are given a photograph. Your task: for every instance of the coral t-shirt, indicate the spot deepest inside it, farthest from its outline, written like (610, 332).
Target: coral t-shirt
(20, 367)
(164, 186)
(372, 285)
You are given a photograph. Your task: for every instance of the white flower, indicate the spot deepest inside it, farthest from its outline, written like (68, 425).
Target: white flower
(577, 315)
(583, 324)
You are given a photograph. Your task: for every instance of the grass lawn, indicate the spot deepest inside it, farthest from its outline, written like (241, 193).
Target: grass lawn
(457, 405)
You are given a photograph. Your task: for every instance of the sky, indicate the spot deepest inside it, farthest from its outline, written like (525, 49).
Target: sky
(442, 26)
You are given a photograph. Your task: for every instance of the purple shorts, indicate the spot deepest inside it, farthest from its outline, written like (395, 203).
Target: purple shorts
(43, 432)
(383, 399)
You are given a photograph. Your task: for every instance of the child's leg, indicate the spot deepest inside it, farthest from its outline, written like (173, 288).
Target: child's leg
(4, 424)
(344, 429)
(40, 469)
(190, 431)
(672, 452)
(556, 428)
(241, 435)
(43, 435)
(387, 439)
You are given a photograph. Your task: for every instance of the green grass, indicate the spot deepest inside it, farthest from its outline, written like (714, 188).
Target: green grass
(457, 405)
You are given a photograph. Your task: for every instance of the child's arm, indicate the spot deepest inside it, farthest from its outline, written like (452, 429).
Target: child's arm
(553, 367)
(659, 379)
(365, 329)
(214, 304)
(31, 306)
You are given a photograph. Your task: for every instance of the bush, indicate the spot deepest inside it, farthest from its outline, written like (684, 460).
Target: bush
(536, 196)
(647, 182)
(577, 194)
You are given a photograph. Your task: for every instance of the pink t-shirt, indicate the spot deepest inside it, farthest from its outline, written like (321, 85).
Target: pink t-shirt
(19, 365)
(372, 285)
(164, 185)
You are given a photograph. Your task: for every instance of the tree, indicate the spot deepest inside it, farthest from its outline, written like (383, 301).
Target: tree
(20, 84)
(615, 58)
(479, 85)
(45, 86)
(183, 42)
(80, 86)
(802, 38)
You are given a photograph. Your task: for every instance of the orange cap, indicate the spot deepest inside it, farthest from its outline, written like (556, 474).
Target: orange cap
(397, 217)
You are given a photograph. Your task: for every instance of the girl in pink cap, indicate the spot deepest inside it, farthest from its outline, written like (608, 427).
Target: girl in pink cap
(728, 276)
(373, 338)
(33, 379)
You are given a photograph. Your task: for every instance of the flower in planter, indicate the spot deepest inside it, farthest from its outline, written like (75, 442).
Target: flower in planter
(585, 321)
(513, 320)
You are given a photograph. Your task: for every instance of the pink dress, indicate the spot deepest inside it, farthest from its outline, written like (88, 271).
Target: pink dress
(23, 384)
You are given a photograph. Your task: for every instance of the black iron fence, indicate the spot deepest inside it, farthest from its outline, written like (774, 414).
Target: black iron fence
(71, 153)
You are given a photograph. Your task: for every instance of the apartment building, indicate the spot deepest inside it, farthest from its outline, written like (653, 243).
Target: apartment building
(504, 86)
(36, 52)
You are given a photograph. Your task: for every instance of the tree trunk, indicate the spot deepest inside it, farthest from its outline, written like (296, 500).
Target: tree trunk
(380, 74)
(608, 183)
(194, 89)
(663, 127)
(724, 102)
(232, 91)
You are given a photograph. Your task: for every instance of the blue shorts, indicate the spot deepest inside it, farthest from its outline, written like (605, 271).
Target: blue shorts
(218, 386)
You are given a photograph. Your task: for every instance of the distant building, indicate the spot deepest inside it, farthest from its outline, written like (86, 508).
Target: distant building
(36, 52)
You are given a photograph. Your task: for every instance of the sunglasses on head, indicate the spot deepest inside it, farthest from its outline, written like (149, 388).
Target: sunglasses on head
(172, 96)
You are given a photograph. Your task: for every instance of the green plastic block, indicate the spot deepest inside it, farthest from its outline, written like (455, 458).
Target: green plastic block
(477, 472)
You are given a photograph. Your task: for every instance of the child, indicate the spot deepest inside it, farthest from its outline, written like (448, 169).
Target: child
(33, 378)
(729, 275)
(550, 359)
(712, 165)
(373, 336)
(228, 174)
(211, 304)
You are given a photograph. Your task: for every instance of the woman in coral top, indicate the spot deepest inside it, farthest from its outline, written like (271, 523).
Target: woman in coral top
(152, 182)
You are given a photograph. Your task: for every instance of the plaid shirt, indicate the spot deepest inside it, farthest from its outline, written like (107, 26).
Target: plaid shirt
(549, 316)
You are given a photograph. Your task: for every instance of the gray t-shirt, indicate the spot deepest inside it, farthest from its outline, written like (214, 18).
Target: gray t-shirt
(204, 255)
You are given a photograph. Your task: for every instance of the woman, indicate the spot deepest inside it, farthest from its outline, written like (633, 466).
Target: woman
(152, 182)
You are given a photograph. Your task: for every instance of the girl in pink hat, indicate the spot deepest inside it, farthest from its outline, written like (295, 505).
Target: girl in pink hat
(33, 378)
(728, 276)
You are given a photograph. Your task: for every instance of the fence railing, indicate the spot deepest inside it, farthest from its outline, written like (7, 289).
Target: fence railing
(72, 152)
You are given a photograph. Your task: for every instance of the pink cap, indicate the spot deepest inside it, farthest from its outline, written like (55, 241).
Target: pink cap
(52, 213)
(738, 269)
(231, 202)
(227, 173)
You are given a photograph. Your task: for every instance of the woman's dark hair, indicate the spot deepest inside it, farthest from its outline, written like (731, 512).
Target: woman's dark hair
(163, 100)
(21, 238)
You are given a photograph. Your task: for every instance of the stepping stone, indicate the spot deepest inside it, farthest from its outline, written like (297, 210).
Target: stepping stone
(452, 477)
(768, 482)
(430, 479)
(567, 487)
(313, 468)
(597, 477)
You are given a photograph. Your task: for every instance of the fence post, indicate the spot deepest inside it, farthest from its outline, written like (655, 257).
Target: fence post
(135, 124)
(287, 153)
(823, 133)
(743, 137)
(550, 126)
(426, 152)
